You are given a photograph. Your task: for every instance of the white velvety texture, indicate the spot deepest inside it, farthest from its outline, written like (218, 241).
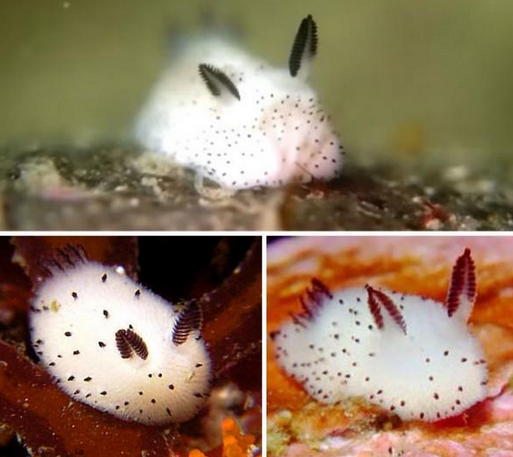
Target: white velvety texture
(276, 133)
(435, 370)
(74, 336)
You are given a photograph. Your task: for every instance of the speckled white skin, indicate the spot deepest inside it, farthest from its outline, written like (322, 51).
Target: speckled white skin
(276, 133)
(435, 371)
(99, 310)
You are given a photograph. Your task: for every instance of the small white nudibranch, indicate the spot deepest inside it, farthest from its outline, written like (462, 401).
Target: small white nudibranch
(116, 346)
(411, 355)
(240, 122)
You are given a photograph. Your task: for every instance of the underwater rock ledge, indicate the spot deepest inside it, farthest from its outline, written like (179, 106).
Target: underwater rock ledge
(119, 188)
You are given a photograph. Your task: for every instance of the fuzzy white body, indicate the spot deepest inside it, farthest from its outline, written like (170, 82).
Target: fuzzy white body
(434, 371)
(275, 134)
(133, 388)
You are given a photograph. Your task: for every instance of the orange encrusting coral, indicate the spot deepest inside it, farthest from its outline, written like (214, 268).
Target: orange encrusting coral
(416, 265)
(235, 443)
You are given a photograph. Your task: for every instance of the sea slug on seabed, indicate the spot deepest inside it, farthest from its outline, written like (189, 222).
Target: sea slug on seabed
(240, 122)
(116, 346)
(411, 355)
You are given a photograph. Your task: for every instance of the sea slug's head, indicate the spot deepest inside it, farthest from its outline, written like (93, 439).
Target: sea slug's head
(274, 118)
(411, 355)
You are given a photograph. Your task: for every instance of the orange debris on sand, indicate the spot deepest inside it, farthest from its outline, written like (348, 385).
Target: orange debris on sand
(235, 443)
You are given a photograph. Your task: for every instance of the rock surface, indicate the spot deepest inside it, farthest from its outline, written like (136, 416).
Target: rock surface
(119, 188)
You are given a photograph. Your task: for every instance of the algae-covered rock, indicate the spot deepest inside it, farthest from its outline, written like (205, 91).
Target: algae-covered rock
(121, 188)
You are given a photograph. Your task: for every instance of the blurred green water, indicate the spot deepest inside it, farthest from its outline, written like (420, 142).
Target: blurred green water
(404, 80)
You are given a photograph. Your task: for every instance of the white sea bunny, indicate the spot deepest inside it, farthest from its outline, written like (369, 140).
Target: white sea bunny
(237, 120)
(116, 346)
(411, 355)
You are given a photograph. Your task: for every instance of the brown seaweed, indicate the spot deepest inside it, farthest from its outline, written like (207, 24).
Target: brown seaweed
(46, 419)
(233, 321)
